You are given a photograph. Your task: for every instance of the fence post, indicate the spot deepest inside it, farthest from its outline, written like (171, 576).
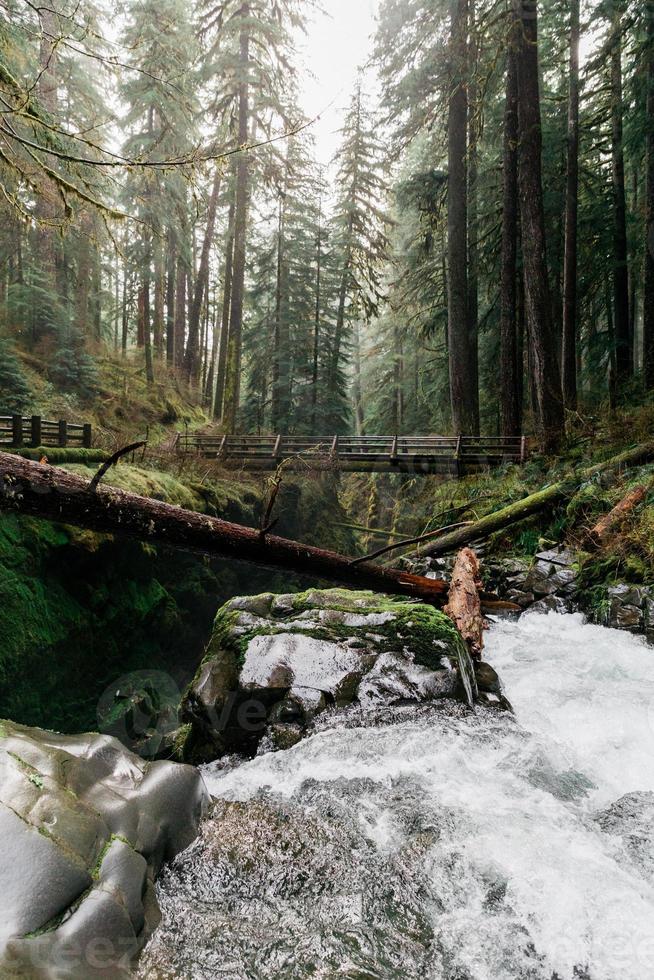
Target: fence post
(17, 430)
(457, 456)
(278, 446)
(63, 432)
(523, 449)
(87, 437)
(36, 430)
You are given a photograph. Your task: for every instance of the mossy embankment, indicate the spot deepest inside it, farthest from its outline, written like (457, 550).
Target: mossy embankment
(79, 610)
(405, 506)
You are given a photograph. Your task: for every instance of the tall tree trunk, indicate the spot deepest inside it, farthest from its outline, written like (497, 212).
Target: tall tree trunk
(96, 290)
(233, 381)
(623, 357)
(569, 352)
(158, 313)
(473, 216)
(339, 332)
(192, 359)
(281, 353)
(221, 367)
(398, 380)
(462, 400)
(144, 326)
(648, 284)
(170, 298)
(316, 321)
(180, 311)
(210, 383)
(357, 390)
(125, 311)
(510, 364)
(48, 247)
(83, 274)
(546, 376)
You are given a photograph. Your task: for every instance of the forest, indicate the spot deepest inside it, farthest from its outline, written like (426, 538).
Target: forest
(476, 257)
(326, 489)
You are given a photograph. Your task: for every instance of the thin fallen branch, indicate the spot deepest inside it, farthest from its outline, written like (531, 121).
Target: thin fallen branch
(409, 541)
(599, 534)
(106, 466)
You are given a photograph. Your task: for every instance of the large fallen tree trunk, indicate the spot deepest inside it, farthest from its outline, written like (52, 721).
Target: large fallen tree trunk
(48, 492)
(464, 604)
(600, 533)
(535, 503)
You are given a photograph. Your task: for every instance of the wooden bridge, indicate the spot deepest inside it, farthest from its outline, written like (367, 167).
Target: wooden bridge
(377, 454)
(33, 430)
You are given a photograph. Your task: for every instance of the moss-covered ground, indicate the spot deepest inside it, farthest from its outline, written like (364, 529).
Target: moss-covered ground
(409, 506)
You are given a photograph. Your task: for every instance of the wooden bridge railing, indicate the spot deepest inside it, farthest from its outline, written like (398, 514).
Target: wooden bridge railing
(33, 430)
(378, 453)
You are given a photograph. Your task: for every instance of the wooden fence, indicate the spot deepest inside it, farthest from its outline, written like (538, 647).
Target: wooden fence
(33, 430)
(401, 454)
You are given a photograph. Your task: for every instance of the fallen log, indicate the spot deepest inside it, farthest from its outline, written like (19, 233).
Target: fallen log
(49, 492)
(464, 603)
(533, 504)
(599, 534)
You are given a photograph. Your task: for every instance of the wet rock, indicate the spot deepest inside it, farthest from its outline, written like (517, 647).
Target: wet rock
(563, 557)
(564, 580)
(548, 604)
(274, 664)
(624, 616)
(487, 678)
(539, 580)
(632, 819)
(86, 825)
(520, 597)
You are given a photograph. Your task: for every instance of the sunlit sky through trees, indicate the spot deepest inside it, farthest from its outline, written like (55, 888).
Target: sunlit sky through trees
(338, 43)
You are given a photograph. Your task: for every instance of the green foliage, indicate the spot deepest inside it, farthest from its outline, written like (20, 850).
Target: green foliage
(73, 370)
(15, 393)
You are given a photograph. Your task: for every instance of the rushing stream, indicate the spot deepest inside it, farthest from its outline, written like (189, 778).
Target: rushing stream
(439, 843)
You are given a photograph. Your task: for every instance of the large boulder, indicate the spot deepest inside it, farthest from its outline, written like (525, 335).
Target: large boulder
(275, 662)
(85, 827)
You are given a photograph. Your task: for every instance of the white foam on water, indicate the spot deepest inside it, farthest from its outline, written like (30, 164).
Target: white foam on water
(522, 882)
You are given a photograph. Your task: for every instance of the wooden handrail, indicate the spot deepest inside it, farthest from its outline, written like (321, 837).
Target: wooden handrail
(419, 454)
(34, 430)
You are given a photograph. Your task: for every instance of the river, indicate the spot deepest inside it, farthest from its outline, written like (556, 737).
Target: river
(436, 842)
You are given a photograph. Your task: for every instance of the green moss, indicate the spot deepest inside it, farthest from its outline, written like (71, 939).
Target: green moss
(427, 632)
(97, 866)
(56, 455)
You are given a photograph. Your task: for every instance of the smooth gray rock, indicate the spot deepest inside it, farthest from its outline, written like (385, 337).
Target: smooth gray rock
(85, 827)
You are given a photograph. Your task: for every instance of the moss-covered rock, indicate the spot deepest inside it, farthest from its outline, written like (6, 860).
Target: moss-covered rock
(276, 661)
(87, 826)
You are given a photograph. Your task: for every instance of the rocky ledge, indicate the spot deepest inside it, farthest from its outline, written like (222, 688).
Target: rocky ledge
(85, 827)
(550, 583)
(277, 661)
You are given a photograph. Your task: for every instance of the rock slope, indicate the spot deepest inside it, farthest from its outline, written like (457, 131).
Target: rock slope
(85, 827)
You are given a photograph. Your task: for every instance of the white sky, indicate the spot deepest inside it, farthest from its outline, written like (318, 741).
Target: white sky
(337, 44)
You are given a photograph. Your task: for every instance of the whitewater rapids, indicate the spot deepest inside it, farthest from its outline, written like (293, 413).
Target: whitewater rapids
(440, 843)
